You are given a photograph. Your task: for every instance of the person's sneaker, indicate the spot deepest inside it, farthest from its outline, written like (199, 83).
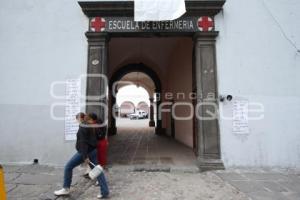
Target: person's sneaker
(62, 192)
(99, 196)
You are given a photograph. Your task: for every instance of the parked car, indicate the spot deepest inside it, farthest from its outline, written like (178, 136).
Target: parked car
(138, 115)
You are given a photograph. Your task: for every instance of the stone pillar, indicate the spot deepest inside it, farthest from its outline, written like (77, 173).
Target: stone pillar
(112, 124)
(158, 129)
(97, 82)
(172, 121)
(151, 114)
(207, 128)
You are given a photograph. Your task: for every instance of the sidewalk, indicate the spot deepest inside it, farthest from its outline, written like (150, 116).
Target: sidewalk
(38, 182)
(32, 182)
(264, 184)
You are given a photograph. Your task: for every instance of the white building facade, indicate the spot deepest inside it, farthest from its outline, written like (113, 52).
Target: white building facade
(257, 61)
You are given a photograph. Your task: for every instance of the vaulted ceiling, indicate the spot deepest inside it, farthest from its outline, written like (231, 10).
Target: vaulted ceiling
(139, 79)
(153, 52)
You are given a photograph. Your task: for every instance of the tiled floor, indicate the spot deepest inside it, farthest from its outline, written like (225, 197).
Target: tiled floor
(139, 146)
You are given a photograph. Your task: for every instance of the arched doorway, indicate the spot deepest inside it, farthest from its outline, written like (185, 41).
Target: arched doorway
(132, 102)
(143, 106)
(126, 108)
(114, 85)
(201, 57)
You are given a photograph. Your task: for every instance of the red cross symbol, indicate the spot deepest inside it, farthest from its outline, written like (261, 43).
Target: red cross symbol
(205, 23)
(97, 24)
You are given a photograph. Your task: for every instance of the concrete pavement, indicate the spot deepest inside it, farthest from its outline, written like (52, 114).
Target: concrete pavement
(264, 184)
(36, 182)
(33, 182)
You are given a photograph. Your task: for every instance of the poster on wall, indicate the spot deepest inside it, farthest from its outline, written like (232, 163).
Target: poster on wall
(240, 116)
(73, 93)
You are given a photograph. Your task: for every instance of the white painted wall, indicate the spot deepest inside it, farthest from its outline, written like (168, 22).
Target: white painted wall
(256, 61)
(41, 42)
(180, 82)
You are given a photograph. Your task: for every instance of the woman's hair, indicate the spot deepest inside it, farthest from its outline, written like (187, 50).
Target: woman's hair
(80, 115)
(92, 116)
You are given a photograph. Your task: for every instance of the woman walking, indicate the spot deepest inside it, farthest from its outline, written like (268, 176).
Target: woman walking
(86, 144)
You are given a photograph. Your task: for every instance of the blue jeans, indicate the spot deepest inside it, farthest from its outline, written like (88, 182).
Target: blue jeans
(77, 160)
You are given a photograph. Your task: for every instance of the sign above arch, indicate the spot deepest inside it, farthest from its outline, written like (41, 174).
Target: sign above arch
(127, 24)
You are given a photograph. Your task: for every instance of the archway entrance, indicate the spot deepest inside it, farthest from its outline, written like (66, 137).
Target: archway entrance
(111, 24)
(132, 107)
(163, 66)
(137, 88)
(138, 75)
(135, 143)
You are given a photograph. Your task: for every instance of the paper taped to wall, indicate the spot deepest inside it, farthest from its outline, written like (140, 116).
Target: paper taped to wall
(240, 123)
(158, 10)
(73, 93)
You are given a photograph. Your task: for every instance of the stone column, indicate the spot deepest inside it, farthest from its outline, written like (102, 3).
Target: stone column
(173, 131)
(158, 129)
(207, 128)
(97, 82)
(112, 128)
(151, 115)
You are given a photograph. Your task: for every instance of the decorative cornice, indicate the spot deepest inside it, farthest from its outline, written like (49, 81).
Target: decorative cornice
(97, 36)
(205, 35)
(126, 8)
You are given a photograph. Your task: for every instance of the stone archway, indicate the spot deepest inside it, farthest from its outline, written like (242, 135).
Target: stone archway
(127, 107)
(140, 67)
(207, 134)
(143, 106)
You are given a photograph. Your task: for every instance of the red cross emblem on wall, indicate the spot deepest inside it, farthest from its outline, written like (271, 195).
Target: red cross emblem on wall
(205, 23)
(97, 24)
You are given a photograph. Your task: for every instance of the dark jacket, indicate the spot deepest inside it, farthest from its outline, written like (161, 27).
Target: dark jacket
(101, 131)
(86, 140)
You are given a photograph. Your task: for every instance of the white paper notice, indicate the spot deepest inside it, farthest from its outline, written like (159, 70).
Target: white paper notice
(158, 10)
(240, 117)
(73, 92)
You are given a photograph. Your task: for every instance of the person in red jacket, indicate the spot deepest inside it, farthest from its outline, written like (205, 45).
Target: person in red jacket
(102, 145)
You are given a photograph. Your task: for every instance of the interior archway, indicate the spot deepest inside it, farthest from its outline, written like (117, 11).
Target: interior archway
(167, 62)
(132, 104)
(122, 77)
